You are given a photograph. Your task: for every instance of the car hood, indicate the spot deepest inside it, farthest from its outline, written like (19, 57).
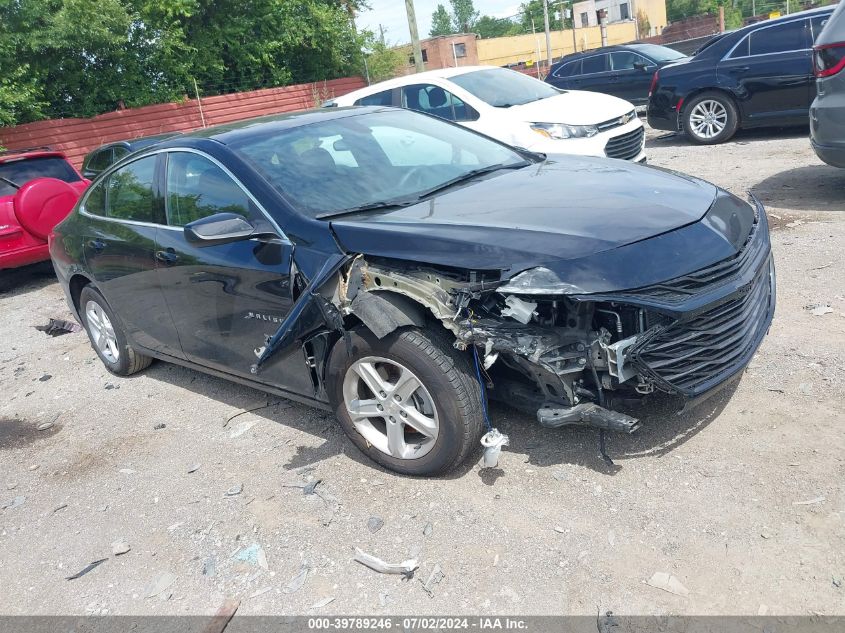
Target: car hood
(575, 107)
(568, 213)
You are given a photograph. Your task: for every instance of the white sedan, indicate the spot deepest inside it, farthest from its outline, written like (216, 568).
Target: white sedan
(516, 109)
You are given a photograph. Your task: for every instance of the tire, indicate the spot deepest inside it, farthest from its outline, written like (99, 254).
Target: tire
(447, 403)
(117, 355)
(710, 118)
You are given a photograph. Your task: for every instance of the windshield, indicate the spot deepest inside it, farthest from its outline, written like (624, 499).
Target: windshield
(657, 53)
(503, 88)
(21, 172)
(370, 159)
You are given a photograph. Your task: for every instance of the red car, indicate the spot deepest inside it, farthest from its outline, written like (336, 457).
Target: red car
(38, 188)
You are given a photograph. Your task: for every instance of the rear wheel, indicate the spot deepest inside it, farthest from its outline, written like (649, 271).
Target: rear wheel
(409, 400)
(710, 118)
(107, 336)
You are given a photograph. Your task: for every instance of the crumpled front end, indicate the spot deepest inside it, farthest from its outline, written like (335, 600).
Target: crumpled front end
(572, 357)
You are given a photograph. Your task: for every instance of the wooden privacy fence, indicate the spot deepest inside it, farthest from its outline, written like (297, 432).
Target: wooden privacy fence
(77, 137)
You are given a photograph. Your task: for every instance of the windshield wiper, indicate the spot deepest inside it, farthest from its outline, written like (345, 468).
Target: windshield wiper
(470, 175)
(9, 182)
(370, 206)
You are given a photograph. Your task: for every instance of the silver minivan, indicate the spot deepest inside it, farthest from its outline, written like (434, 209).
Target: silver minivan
(827, 113)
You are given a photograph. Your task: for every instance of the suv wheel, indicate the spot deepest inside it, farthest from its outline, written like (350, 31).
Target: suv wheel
(410, 400)
(107, 337)
(710, 118)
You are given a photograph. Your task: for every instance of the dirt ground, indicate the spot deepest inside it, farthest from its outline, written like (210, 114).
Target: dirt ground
(741, 500)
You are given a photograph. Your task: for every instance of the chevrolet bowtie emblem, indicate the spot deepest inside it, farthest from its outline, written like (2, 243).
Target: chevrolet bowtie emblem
(625, 118)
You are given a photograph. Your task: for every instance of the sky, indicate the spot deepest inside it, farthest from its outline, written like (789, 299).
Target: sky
(391, 15)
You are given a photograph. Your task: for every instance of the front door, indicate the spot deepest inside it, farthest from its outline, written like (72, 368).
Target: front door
(225, 299)
(119, 247)
(633, 76)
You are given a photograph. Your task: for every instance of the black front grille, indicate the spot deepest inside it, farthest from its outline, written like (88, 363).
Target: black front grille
(693, 355)
(626, 146)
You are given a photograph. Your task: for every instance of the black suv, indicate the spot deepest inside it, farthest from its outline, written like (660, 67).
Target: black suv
(760, 75)
(622, 71)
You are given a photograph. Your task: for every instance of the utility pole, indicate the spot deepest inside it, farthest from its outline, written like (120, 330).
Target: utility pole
(548, 34)
(572, 18)
(415, 36)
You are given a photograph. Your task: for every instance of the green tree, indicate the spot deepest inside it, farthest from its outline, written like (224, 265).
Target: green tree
(441, 22)
(488, 26)
(383, 60)
(464, 16)
(532, 12)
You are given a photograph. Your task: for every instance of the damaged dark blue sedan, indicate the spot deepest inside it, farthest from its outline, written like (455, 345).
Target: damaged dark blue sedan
(399, 270)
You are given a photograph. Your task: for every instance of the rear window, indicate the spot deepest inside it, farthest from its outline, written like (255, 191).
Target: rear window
(22, 171)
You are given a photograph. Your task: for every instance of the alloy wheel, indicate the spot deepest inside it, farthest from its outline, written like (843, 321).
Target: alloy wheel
(390, 407)
(708, 118)
(102, 332)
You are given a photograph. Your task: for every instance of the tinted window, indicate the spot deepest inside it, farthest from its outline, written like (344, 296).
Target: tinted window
(21, 172)
(792, 36)
(198, 188)
(569, 69)
(384, 98)
(594, 64)
(397, 155)
(437, 101)
(741, 49)
(120, 152)
(502, 88)
(100, 160)
(130, 192)
(95, 203)
(625, 60)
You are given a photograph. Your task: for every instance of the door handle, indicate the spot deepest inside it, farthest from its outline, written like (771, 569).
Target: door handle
(167, 257)
(97, 245)
(740, 69)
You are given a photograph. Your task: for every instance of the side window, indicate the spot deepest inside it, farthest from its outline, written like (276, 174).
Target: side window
(99, 161)
(594, 64)
(197, 188)
(792, 36)
(741, 49)
(119, 152)
(625, 60)
(130, 192)
(383, 98)
(437, 101)
(569, 70)
(95, 203)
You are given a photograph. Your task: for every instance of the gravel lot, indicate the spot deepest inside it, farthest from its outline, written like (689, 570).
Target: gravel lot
(740, 500)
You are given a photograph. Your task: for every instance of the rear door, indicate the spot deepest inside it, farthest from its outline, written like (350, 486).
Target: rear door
(596, 74)
(123, 213)
(771, 69)
(225, 299)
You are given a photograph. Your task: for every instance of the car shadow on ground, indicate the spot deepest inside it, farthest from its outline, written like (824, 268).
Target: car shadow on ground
(742, 137)
(26, 279)
(662, 428)
(809, 188)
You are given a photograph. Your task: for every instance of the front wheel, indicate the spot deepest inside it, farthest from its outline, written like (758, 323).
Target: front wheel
(409, 401)
(710, 118)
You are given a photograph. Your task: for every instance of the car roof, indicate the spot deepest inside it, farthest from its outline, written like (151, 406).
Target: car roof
(274, 123)
(140, 142)
(785, 18)
(416, 78)
(596, 51)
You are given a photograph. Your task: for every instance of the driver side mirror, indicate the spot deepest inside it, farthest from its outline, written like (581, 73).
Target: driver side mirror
(220, 228)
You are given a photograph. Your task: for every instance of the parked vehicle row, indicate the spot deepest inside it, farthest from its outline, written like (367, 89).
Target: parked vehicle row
(399, 269)
(622, 71)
